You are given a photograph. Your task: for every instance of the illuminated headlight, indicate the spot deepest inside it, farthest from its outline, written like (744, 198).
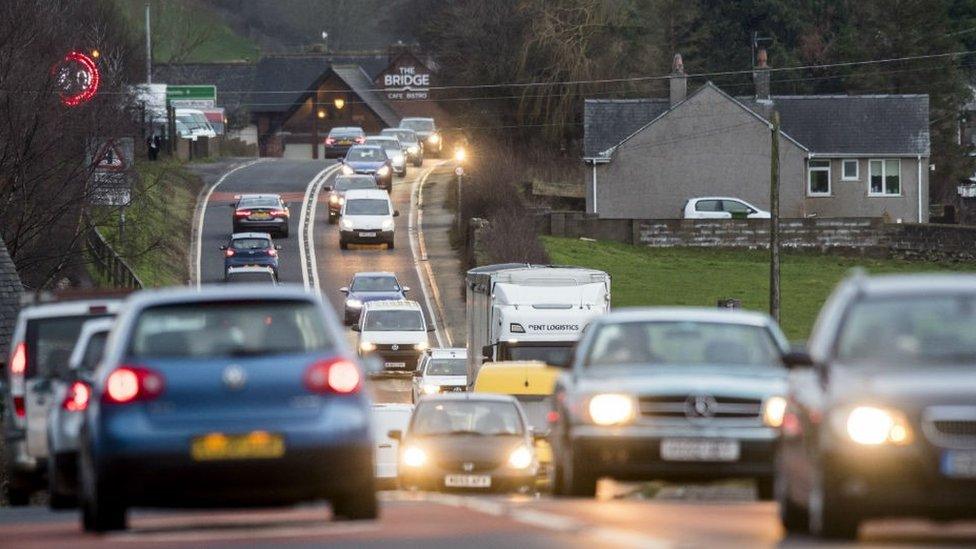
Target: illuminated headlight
(414, 457)
(612, 409)
(413, 149)
(398, 158)
(434, 139)
(420, 346)
(774, 410)
(388, 225)
(873, 426)
(333, 199)
(383, 171)
(367, 346)
(520, 458)
(354, 303)
(430, 389)
(347, 170)
(345, 224)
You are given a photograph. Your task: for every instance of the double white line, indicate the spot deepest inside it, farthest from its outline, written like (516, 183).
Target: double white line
(306, 228)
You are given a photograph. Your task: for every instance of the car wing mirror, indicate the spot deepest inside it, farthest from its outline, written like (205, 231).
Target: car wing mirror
(344, 290)
(396, 213)
(539, 435)
(356, 328)
(223, 247)
(405, 289)
(797, 359)
(395, 434)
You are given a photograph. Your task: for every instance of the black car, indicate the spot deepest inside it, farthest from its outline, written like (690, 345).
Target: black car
(343, 183)
(428, 134)
(261, 213)
(467, 441)
(340, 139)
(881, 409)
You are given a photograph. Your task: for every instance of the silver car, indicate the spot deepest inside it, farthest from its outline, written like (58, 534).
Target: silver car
(70, 394)
(671, 394)
(394, 149)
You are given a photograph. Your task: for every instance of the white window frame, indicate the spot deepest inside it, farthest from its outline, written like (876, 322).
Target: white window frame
(884, 179)
(857, 169)
(811, 169)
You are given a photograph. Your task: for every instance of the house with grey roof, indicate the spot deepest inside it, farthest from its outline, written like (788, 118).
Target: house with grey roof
(839, 155)
(10, 292)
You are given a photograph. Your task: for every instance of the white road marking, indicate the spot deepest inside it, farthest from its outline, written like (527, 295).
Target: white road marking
(250, 532)
(411, 228)
(306, 226)
(202, 212)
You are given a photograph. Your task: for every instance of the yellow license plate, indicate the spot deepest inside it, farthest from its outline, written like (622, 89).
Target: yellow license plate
(256, 445)
(260, 216)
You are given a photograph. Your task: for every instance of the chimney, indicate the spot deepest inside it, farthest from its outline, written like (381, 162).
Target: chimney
(760, 75)
(678, 81)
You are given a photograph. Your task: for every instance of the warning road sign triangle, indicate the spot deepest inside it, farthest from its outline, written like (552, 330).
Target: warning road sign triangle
(109, 157)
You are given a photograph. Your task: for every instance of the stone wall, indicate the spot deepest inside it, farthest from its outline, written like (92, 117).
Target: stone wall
(860, 236)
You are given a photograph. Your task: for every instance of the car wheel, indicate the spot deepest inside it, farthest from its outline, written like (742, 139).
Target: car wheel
(98, 512)
(418, 162)
(793, 517)
(343, 245)
(829, 516)
(765, 489)
(358, 504)
(55, 472)
(17, 495)
(390, 245)
(333, 218)
(576, 482)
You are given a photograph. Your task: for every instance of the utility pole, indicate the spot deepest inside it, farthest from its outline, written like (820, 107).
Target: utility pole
(148, 47)
(774, 221)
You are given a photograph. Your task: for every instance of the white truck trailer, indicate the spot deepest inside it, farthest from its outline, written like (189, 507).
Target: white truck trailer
(517, 311)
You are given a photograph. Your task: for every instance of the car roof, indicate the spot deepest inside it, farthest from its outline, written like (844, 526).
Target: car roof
(381, 138)
(393, 305)
(215, 292)
(250, 269)
(717, 198)
(98, 325)
(353, 194)
(235, 236)
(416, 118)
(355, 176)
(358, 147)
(686, 314)
(270, 196)
(69, 308)
(914, 284)
(346, 129)
(374, 273)
(448, 352)
(481, 397)
(397, 130)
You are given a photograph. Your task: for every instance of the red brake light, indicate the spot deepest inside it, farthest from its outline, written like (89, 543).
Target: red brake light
(19, 407)
(552, 416)
(18, 362)
(132, 383)
(279, 213)
(272, 252)
(97, 310)
(242, 213)
(333, 376)
(229, 252)
(76, 400)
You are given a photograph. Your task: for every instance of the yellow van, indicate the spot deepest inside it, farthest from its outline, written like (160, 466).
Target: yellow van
(532, 384)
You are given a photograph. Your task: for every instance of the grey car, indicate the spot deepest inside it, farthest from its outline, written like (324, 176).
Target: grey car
(71, 392)
(670, 394)
(410, 142)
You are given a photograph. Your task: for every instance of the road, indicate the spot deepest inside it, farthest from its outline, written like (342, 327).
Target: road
(675, 518)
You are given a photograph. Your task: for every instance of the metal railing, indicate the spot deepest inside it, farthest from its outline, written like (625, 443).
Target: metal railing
(108, 262)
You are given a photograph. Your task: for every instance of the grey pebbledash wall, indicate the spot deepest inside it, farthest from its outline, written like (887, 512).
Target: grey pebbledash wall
(862, 236)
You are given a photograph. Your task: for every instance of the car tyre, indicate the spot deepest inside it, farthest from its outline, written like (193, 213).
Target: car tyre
(576, 481)
(418, 162)
(333, 218)
(99, 513)
(17, 495)
(358, 504)
(343, 245)
(390, 245)
(765, 488)
(55, 470)
(829, 516)
(794, 518)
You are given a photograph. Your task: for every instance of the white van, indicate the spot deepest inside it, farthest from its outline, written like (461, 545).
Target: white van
(196, 121)
(395, 330)
(386, 418)
(367, 218)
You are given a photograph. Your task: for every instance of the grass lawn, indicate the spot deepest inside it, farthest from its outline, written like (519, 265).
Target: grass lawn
(177, 23)
(694, 276)
(157, 223)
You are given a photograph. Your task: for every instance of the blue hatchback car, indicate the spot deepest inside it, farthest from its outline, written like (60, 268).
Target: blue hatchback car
(222, 397)
(250, 249)
(370, 160)
(370, 287)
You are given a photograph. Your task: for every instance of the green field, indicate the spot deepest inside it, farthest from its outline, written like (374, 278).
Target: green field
(694, 276)
(187, 31)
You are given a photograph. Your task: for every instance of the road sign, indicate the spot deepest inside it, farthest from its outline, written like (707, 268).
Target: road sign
(192, 97)
(110, 161)
(459, 171)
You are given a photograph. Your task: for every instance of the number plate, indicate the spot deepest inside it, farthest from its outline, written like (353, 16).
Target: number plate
(218, 446)
(467, 481)
(453, 389)
(959, 464)
(699, 450)
(395, 364)
(367, 235)
(260, 216)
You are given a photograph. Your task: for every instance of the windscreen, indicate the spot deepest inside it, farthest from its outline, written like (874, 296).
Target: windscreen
(447, 367)
(554, 355)
(346, 132)
(366, 154)
(50, 342)
(229, 329)
(347, 183)
(406, 320)
(250, 243)
(93, 351)
(390, 390)
(536, 408)
(929, 329)
(682, 343)
(258, 203)
(405, 136)
(418, 125)
(466, 417)
(250, 277)
(368, 206)
(375, 284)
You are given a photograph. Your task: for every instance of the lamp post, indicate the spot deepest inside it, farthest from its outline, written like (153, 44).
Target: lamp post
(459, 157)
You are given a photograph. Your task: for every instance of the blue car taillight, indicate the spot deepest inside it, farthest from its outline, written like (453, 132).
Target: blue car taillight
(127, 384)
(333, 376)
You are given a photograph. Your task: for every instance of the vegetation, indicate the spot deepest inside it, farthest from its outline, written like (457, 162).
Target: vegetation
(699, 276)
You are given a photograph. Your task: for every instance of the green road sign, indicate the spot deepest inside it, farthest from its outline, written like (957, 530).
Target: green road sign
(205, 92)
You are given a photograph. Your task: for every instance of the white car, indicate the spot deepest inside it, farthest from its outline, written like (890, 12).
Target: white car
(395, 330)
(386, 418)
(367, 218)
(722, 207)
(441, 371)
(394, 150)
(197, 123)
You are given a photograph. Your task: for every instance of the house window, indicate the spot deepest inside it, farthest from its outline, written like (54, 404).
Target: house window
(885, 177)
(818, 178)
(850, 170)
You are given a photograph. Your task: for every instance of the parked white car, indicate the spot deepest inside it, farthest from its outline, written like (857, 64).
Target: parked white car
(722, 207)
(441, 371)
(395, 330)
(386, 418)
(367, 218)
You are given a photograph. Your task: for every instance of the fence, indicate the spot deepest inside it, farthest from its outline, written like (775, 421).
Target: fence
(107, 261)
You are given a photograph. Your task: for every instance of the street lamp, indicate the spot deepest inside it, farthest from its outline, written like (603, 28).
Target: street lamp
(321, 113)
(460, 154)
(339, 103)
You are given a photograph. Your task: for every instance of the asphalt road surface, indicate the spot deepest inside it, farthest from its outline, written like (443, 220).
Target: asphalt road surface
(676, 518)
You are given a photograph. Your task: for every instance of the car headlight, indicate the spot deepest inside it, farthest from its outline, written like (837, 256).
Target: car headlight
(347, 170)
(367, 346)
(520, 458)
(333, 199)
(383, 171)
(413, 149)
(420, 346)
(612, 409)
(434, 139)
(397, 157)
(873, 426)
(773, 411)
(430, 389)
(387, 225)
(354, 303)
(345, 224)
(414, 457)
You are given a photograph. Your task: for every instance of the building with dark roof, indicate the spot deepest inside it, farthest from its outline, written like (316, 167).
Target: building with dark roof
(840, 155)
(10, 292)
